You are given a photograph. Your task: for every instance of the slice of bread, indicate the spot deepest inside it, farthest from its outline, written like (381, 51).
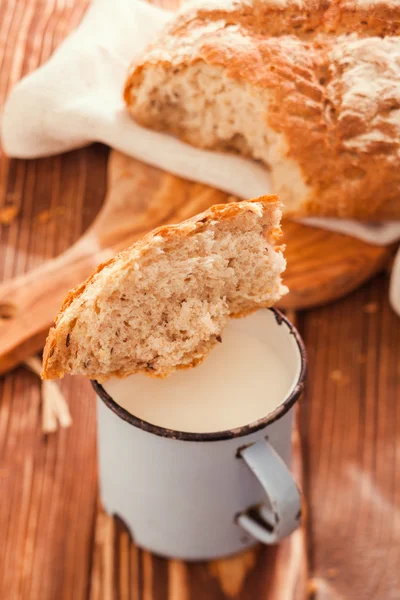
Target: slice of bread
(162, 304)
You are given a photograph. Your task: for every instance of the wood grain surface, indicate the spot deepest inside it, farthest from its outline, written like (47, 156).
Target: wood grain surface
(350, 425)
(56, 543)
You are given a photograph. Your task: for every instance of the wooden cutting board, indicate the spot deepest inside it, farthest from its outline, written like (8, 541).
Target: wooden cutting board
(322, 266)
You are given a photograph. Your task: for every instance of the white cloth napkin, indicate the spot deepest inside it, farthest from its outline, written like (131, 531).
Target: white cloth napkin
(76, 98)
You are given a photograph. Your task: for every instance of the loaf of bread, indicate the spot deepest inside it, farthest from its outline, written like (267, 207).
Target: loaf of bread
(311, 88)
(162, 304)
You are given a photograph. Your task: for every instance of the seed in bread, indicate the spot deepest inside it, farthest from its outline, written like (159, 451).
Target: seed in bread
(162, 304)
(311, 88)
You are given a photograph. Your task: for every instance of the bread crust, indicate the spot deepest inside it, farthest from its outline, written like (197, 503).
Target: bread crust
(56, 349)
(330, 71)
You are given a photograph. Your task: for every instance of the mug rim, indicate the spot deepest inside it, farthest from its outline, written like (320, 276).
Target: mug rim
(226, 434)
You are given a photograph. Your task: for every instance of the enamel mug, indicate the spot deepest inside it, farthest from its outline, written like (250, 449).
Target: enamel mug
(200, 496)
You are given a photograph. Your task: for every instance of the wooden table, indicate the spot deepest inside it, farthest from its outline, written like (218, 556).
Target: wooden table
(55, 543)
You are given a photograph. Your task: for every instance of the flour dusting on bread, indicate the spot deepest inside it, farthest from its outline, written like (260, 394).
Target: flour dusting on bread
(310, 88)
(162, 304)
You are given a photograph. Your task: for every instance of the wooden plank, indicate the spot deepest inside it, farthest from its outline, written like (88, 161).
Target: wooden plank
(48, 489)
(350, 422)
(48, 484)
(49, 499)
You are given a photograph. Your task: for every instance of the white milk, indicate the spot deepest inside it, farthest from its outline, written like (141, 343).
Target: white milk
(242, 380)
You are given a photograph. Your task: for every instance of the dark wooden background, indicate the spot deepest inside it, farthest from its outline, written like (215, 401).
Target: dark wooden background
(51, 532)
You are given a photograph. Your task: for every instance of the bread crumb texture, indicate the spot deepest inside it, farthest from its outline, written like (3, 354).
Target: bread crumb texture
(310, 88)
(162, 304)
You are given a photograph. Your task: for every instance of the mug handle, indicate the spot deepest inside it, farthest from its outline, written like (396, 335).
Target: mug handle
(267, 525)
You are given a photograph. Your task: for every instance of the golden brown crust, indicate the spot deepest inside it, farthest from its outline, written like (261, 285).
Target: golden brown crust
(333, 94)
(56, 347)
(366, 17)
(199, 222)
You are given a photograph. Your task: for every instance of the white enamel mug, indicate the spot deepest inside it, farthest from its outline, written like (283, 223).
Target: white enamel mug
(199, 496)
